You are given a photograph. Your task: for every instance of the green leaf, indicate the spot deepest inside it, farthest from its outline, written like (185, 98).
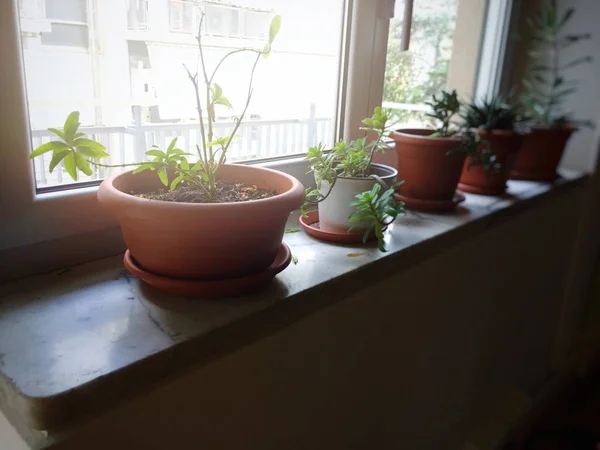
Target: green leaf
(294, 259)
(158, 153)
(57, 158)
(171, 145)
(162, 175)
(223, 101)
(71, 126)
(57, 132)
(82, 164)
(217, 91)
(292, 230)
(578, 61)
(566, 17)
(70, 165)
(266, 51)
(47, 147)
(176, 181)
(185, 165)
(88, 143)
(92, 152)
(141, 168)
(274, 28)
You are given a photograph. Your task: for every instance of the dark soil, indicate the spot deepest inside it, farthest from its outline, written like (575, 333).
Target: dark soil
(226, 193)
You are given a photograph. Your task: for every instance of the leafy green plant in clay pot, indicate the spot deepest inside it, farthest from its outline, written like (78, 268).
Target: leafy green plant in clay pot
(193, 218)
(546, 89)
(497, 124)
(354, 195)
(430, 161)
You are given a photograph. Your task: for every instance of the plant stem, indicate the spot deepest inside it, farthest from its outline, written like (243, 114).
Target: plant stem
(379, 136)
(555, 75)
(233, 52)
(94, 163)
(194, 80)
(207, 82)
(239, 119)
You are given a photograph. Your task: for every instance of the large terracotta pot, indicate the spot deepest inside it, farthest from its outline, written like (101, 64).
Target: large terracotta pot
(428, 171)
(203, 240)
(335, 210)
(475, 179)
(540, 154)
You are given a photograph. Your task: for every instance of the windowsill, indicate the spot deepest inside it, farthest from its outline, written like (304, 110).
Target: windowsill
(77, 341)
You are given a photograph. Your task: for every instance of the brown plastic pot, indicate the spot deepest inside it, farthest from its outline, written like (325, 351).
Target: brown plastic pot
(475, 179)
(540, 154)
(203, 241)
(428, 171)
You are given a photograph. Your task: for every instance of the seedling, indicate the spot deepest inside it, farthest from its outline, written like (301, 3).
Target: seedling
(375, 212)
(443, 111)
(353, 159)
(546, 85)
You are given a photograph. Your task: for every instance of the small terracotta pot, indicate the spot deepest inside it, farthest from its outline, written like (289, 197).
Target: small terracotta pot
(335, 210)
(540, 154)
(428, 171)
(203, 241)
(475, 179)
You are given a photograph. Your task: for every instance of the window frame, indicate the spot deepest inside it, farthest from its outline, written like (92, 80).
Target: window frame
(48, 224)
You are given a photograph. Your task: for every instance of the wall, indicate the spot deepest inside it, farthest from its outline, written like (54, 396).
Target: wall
(415, 361)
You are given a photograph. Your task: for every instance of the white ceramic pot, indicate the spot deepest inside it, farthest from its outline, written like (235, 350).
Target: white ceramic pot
(335, 210)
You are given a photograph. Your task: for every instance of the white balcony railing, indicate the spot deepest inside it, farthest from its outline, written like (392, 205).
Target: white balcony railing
(257, 139)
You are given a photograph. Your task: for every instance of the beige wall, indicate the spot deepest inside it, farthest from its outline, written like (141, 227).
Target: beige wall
(415, 361)
(466, 47)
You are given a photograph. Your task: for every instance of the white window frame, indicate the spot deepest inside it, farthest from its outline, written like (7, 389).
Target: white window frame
(33, 222)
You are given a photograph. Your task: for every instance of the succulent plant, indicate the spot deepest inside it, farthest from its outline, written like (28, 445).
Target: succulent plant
(495, 113)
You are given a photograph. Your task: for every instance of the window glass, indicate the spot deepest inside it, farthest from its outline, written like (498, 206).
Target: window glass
(66, 35)
(72, 10)
(414, 75)
(132, 91)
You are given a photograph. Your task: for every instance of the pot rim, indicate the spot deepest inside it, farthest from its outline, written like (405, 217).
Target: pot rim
(569, 127)
(392, 170)
(499, 132)
(409, 133)
(107, 188)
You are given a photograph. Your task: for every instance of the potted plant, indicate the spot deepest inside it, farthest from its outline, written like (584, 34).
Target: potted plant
(193, 220)
(546, 88)
(348, 192)
(496, 122)
(430, 161)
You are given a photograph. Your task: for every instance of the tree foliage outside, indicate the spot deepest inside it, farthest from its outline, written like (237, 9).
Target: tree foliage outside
(417, 74)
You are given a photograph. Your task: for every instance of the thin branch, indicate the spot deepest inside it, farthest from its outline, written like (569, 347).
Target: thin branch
(233, 52)
(239, 120)
(94, 163)
(194, 80)
(207, 83)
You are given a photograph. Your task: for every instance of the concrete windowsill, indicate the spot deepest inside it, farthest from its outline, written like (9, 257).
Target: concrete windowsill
(78, 341)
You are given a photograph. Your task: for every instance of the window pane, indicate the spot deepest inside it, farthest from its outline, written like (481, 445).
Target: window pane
(132, 91)
(74, 10)
(413, 76)
(66, 35)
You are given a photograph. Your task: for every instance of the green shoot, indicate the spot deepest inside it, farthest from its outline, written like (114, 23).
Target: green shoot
(374, 213)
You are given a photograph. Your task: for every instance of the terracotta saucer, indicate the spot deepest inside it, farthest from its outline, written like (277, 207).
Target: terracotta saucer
(480, 190)
(431, 205)
(533, 175)
(211, 288)
(310, 223)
